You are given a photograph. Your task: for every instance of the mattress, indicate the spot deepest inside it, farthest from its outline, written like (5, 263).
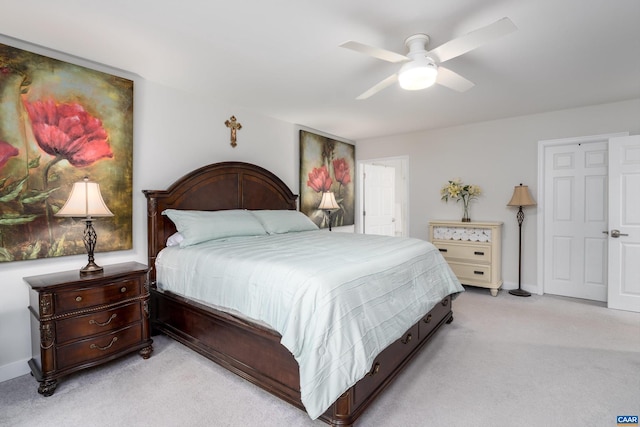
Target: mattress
(337, 299)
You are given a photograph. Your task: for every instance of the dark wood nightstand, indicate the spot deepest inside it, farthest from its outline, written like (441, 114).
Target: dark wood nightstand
(82, 321)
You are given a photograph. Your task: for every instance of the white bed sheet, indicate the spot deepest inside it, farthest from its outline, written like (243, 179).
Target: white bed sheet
(337, 299)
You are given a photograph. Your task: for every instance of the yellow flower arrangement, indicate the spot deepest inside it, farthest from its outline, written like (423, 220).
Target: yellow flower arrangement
(454, 189)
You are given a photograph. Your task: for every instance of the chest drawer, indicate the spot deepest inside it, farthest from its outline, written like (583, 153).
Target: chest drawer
(473, 250)
(467, 252)
(90, 349)
(97, 295)
(475, 273)
(97, 323)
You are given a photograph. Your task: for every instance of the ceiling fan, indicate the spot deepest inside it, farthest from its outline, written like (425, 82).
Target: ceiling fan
(421, 67)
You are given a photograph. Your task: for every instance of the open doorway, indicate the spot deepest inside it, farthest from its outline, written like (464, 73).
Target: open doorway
(383, 205)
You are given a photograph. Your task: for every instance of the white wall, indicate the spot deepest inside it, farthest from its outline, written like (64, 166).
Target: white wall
(174, 132)
(496, 155)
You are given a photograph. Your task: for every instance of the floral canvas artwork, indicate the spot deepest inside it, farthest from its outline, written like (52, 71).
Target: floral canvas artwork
(59, 123)
(326, 165)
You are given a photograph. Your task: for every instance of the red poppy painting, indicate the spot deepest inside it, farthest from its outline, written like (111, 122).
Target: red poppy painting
(61, 122)
(327, 166)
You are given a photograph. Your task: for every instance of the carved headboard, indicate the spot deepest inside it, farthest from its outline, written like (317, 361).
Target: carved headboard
(219, 186)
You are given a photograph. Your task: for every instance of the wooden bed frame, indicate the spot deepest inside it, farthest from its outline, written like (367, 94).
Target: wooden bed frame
(245, 348)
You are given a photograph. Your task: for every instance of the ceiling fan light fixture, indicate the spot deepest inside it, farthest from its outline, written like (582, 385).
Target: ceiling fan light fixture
(418, 74)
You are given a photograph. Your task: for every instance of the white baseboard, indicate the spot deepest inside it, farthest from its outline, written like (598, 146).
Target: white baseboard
(14, 370)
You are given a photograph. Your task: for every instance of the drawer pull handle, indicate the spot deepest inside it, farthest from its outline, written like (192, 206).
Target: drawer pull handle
(123, 289)
(445, 302)
(374, 370)
(407, 340)
(478, 272)
(442, 250)
(94, 346)
(478, 253)
(427, 319)
(95, 322)
(78, 299)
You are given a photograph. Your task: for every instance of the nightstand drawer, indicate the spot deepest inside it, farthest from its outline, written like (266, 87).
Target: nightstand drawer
(98, 347)
(467, 252)
(96, 295)
(97, 323)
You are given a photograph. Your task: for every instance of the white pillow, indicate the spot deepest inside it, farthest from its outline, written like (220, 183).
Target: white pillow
(201, 226)
(175, 239)
(284, 221)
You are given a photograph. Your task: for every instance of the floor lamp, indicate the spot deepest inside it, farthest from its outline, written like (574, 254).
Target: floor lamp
(521, 197)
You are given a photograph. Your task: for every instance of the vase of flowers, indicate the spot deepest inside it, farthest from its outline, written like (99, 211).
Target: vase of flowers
(454, 189)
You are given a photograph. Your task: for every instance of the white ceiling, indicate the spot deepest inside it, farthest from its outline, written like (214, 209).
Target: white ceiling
(281, 57)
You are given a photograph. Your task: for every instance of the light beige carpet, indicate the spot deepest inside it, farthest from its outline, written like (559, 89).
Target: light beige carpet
(505, 361)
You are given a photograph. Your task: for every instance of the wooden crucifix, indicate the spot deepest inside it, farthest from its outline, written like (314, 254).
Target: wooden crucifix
(234, 126)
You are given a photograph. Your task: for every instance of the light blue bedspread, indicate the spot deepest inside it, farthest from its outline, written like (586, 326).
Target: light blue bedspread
(337, 299)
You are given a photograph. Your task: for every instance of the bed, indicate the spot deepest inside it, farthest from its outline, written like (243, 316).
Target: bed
(245, 345)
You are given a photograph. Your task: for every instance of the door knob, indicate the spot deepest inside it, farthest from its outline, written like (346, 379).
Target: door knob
(617, 233)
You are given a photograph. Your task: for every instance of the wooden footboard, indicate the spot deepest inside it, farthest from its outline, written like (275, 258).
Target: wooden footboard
(255, 353)
(247, 349)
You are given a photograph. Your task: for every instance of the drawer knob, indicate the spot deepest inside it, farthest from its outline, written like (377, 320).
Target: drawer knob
(442, 250)
(95, 346)
(478, 253)
(123, 289)
(445, 302)
(481, 273)
(407, 340)
(374, 370)
(427, 319)
(95, 322)
(78, 298)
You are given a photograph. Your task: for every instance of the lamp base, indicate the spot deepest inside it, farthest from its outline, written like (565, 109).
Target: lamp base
(328, 214)
(519, 292)
(90, 238)
(91, 268)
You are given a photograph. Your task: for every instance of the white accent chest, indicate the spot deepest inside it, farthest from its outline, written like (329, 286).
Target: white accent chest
(472, 249)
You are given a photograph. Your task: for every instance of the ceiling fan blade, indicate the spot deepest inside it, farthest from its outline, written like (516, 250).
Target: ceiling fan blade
(385, 55)
(379, 86)
(473, 40)
(453, 80)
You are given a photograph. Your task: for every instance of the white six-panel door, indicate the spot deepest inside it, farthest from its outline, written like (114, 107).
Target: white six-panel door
(379, 200)
(624, 223)
(575, 216)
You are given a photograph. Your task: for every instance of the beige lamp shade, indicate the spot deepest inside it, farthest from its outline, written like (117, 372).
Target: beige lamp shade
(328, 201)
(85, 201)
(521, 197)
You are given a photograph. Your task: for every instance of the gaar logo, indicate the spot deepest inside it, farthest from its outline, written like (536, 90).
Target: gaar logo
(627, 420)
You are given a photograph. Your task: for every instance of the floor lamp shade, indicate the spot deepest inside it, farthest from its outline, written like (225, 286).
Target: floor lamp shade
(521, 197)
(85, 201)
